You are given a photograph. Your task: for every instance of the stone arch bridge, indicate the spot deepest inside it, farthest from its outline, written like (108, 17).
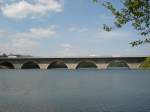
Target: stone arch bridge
(68, 62)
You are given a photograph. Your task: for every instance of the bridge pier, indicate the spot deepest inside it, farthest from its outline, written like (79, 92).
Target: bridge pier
(102, 65)
(71, 66)
(43, 66)
(17, 66)
(134, 65)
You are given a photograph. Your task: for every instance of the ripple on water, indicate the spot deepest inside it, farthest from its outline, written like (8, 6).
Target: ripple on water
(75, 91)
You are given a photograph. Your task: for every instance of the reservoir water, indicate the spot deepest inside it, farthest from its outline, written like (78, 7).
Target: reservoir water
(75, 90)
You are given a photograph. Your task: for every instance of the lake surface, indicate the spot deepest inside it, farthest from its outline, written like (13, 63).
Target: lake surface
(75, 91)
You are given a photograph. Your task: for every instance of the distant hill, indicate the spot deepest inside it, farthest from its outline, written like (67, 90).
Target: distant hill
(14, 55)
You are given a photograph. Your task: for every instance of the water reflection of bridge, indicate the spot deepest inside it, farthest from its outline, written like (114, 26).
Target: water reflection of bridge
(70, 63)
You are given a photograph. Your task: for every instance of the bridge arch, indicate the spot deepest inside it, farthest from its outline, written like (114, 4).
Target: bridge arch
(30, 65)
(6, 65)
(118, 63)
(86, 64)
(57, 64)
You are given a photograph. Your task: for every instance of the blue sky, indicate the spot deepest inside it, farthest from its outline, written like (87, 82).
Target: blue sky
(63, 28)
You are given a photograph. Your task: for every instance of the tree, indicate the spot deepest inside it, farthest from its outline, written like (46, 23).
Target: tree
(136, 12)
(146, 63)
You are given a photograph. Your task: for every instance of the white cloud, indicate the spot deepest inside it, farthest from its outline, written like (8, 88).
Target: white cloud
(137, 51)
(37, 33)
(5, 48)
(19, 46)
(116, 55)
(114, 34)
(106, 17)
(31, 39)
(3, 33)
(24, 43)
(66, 49)
(11, 47)
(67, 46)
(1, 1)
(79, 30)
(92, 55)
(23, 9)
